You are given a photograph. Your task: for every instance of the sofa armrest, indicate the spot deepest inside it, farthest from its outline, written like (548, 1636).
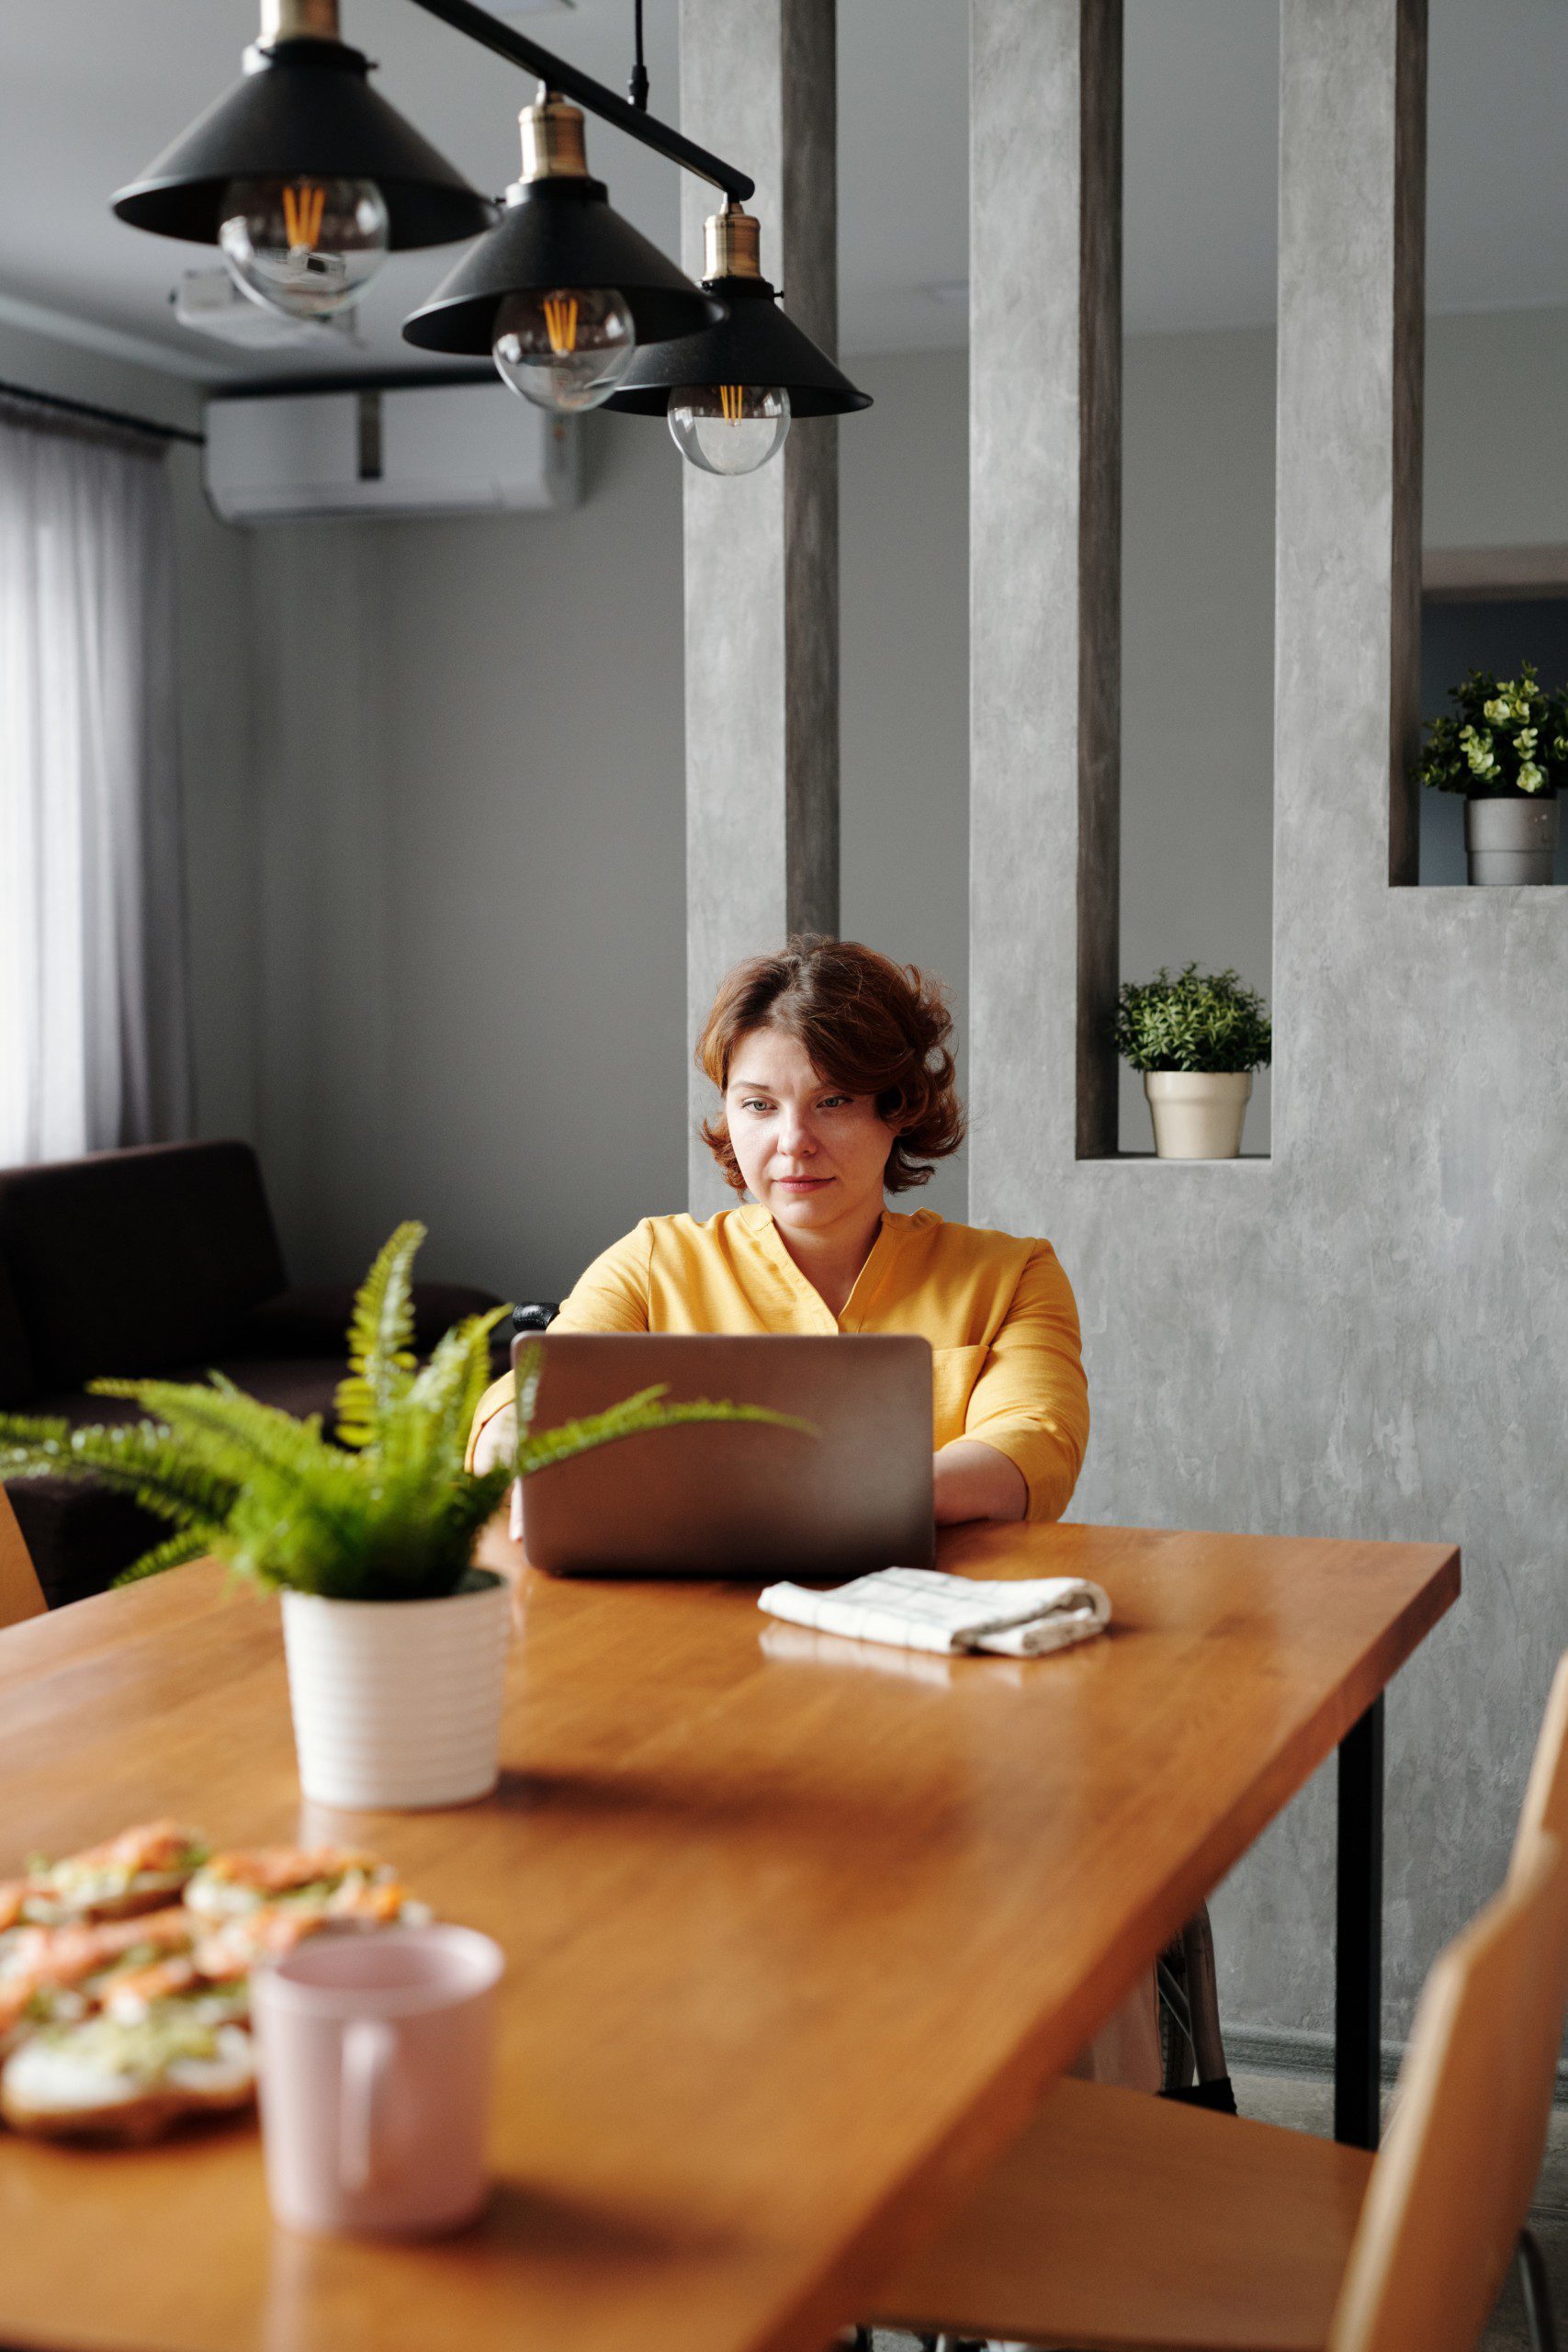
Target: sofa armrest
(312, 1319)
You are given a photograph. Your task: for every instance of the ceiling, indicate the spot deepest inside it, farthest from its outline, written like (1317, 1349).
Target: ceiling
(94, 88)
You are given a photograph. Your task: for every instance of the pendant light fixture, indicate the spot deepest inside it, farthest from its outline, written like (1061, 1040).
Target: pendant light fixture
(305, 178)
(561, 291)
(302, 175)
(732, 393)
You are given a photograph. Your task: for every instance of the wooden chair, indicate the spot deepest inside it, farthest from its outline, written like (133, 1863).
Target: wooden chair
(1545, 1807)
(21, 1595)
(1121, 2221)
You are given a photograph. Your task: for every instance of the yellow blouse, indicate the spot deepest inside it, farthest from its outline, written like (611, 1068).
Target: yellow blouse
(999, 1312)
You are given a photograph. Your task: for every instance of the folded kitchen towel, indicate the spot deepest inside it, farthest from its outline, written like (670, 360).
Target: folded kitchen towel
(920, 1609)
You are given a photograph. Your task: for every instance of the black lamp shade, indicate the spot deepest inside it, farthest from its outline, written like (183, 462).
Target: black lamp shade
(559, 233)
(305, 109)
(755, 345)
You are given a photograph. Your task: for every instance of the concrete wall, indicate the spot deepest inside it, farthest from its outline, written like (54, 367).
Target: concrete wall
(1367, 1334)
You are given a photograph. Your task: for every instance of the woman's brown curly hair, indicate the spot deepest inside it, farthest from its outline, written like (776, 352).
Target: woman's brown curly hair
(870, 1026)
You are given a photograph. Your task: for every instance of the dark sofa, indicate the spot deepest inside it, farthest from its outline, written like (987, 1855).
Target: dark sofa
(163, 1259)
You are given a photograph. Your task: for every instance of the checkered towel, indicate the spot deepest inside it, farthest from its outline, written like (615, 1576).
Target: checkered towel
(920, 1609)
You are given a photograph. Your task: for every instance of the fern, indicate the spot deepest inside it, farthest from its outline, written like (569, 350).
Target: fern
(634, 1416)
(174, 1553)
(380, 1341)
(391, 1513)
(137, 1460)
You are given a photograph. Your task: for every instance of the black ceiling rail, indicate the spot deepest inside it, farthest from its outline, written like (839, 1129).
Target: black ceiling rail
(464, 17)
(116, 417)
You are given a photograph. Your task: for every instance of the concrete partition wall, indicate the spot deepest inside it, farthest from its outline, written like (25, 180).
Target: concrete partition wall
(758, 80)
(1367, 1334)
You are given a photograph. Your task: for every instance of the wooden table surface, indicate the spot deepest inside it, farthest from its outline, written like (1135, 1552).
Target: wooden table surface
(797, 1930)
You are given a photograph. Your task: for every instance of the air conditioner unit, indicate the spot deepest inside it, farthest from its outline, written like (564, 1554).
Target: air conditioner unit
(409, 450)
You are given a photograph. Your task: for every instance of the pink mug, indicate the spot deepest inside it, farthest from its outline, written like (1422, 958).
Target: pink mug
(374, 2059)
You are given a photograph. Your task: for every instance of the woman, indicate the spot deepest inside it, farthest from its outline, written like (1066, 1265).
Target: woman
(837, 1087)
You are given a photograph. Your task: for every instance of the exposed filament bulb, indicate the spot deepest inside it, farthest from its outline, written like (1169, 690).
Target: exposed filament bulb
(303, 246)
(560, 323)
(564, 347)
(729, 428)
(304, 207)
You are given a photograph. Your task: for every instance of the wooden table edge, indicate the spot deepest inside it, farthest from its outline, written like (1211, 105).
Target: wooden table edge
(931, 2189)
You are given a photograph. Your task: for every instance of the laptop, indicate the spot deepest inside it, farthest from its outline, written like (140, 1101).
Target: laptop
(742, 1500)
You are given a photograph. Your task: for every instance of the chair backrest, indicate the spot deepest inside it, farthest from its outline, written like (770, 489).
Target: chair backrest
(21, 1595)
(1545, 1808)
(1450, 2191)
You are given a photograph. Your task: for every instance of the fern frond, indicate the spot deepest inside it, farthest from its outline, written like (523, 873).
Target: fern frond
(140, 1459)
(293, 1492)
(192, 1543)
(632, 1417)
(226, 1428)
(380, 1340)
(439, 1409)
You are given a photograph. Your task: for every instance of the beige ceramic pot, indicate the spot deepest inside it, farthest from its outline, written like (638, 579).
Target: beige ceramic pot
(1198, 1113)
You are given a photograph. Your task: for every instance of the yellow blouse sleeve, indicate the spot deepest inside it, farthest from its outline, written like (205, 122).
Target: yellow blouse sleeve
(1031, 1401)
(611, 1295)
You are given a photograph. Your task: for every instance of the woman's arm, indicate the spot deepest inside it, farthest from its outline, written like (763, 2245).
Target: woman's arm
(973, 1481)
(611, 1295)
(1031, 1402)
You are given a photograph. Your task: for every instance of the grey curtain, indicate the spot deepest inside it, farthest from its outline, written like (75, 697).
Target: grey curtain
(95, 1045)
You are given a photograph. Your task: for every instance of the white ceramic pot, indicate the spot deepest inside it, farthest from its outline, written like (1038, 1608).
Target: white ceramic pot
(1513, 840)
(397, 1703)
(1198, 1113)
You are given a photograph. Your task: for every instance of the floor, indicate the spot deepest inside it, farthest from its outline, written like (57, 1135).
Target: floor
(1306, 2105)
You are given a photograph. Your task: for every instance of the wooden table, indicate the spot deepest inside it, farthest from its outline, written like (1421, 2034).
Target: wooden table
(797, 1930)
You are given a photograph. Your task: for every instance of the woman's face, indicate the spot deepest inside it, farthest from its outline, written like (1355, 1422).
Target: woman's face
(814, 1156)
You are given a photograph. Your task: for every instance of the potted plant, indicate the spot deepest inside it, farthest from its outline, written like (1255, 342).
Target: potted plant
(1197, 1038)
(395, 1641)
(1505, 748)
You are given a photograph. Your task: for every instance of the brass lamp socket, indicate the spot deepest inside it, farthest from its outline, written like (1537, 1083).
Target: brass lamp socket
(731, 244)
(299, 20)
(553, 145)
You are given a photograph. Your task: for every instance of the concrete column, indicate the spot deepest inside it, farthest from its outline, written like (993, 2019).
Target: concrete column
(757, 83)
(1045, 528)
(1348, 515)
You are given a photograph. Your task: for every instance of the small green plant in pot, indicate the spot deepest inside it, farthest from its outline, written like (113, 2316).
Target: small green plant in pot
(1197, 1039)
(395, 1641)
(1504, 747)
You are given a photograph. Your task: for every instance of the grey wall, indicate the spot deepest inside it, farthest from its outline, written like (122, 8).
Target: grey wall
(470, 802)
(476, 955)
(1197, 667)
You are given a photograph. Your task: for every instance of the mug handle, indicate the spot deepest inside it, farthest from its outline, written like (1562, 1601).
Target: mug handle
(367, 2047)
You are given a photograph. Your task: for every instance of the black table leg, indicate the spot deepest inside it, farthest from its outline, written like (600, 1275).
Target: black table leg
(1357, 1960)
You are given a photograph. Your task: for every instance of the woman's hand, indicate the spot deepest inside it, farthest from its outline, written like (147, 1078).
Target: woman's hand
(498, 1441)
(971, 1480)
